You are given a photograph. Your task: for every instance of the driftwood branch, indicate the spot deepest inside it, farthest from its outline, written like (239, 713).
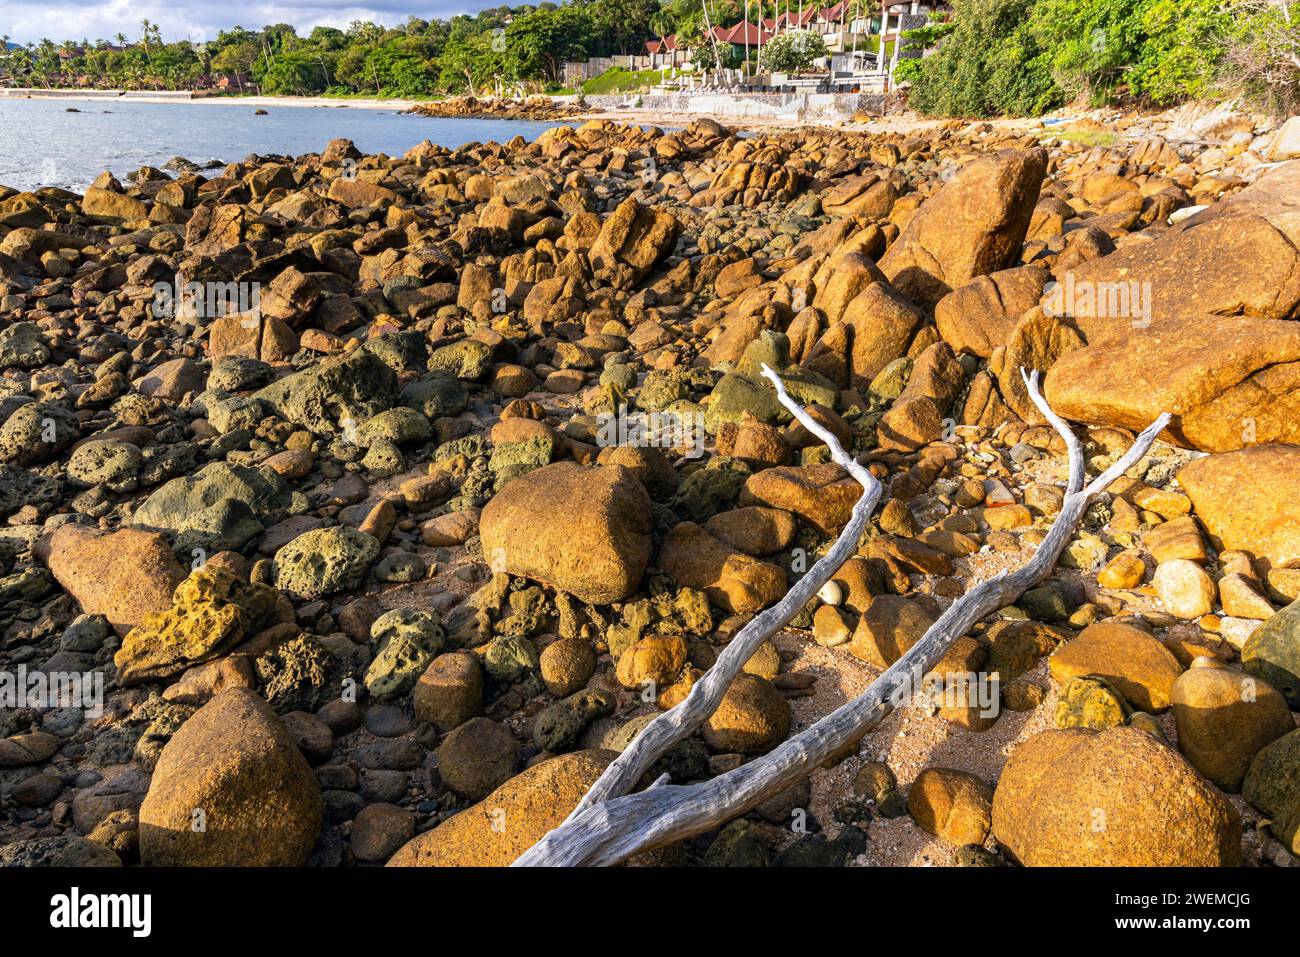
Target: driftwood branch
(658, 737)
(609, 830)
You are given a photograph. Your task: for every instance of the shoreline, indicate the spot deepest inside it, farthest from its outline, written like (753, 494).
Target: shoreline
(906, 122)
(235, 100)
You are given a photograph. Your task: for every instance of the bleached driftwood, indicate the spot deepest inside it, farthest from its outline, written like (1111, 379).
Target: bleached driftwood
(679, 722)
(610, 830)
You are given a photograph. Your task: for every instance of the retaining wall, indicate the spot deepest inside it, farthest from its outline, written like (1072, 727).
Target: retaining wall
(792, 106)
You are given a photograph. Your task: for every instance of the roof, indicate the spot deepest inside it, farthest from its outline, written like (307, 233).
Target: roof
(663, 45)
(744, 32)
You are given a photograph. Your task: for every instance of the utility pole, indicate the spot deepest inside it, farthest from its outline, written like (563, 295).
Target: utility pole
(717, 61)
(746, 38)
(884, 26)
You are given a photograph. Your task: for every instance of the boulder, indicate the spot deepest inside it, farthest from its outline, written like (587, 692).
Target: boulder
(231, 789)
(124, 575)
(1135, 663)
(597, 552)
(450, 691)
(171, 506)
(632, 239)
(890, 626)
(952, 805)
(1113, 798)
(973, 226)
(324, 560)
(752, 718)
(1273, 785)
(477, 757)
(1228, 381)
(1244, 500)
(510, 820)
(1272, 653)
(733, 580)
(1215, 353)
(337, 394)
(822, 495)
(1224, 718)
(979, 316)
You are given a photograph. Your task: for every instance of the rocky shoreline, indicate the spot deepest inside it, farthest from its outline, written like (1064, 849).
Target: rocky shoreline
(498, 108)
(363, 507)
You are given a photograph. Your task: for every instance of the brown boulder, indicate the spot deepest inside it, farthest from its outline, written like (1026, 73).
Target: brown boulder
(733, 580)
(1140, 667)
(1228, 381)
(1113, 798)
(632, 239)
(890, 626)
(822, 495)
(477, 757)
(510, 820)
(1246, 501)
(123, 575)
(979, 317)
(231, 789)
(450, 691)
(971, 227)
(952, 805)
(1224, 718)
(597, 552)
(753, 718)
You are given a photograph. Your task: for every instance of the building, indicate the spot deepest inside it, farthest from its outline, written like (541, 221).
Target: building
(664, 53)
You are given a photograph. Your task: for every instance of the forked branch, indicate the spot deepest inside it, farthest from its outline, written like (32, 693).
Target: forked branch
(658, 737)
(610, 828)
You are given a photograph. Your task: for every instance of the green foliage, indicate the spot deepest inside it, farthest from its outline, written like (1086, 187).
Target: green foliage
(705, 56)
(988, 62)
(1262, 62)
(1022, 57)
(1018, 57)
(792, 52)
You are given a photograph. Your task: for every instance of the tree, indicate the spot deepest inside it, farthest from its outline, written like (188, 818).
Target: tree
(991, 62)
(792, 52)
(1262, 55)
(624, 24)
(467, 63)
(538, 43)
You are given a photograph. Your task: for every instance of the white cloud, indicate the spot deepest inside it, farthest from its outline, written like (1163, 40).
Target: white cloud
(33, 20)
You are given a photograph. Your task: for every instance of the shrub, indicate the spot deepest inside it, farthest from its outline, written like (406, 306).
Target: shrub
(792, 52)
(988, 63)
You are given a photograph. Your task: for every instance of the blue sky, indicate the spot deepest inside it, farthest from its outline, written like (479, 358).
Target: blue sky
(25, 20)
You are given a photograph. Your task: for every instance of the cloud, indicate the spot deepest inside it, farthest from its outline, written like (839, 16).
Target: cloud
(33, 20)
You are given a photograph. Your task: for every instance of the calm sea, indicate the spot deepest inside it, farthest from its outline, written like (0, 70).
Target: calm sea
(45, 145)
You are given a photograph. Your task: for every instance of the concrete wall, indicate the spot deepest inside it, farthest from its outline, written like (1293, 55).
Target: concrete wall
(791, 106)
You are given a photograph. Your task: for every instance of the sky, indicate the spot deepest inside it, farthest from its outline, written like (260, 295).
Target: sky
(200, 20)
